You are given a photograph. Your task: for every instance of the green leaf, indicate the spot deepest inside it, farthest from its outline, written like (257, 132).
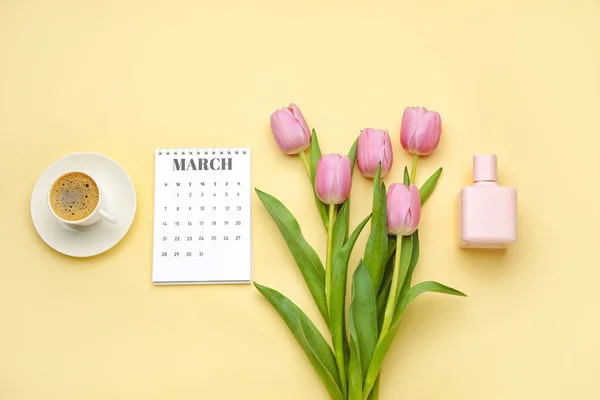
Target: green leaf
(315, 154)
(376, 249)
(389, 267)
(406, 181)
(338, 294)
(384, 345)
(387, 279)
(414, 258)
(352, 153)
(418, 289)
(340, 231)
(310, 339)
(305, 256)
(429, 185)
(391, 247)
(363, 309)
(355, 376)
(375, 392)
(405, 259)
(384, 290)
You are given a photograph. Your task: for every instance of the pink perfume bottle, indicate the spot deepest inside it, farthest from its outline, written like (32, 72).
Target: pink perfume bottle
(487, 212)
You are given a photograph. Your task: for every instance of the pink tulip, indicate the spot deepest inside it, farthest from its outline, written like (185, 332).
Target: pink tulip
(421, 130)
(374, 146)
(403, 209)
(333, 178)
(290, 129)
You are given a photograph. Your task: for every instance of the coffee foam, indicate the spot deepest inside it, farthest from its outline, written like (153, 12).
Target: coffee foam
(74, 196)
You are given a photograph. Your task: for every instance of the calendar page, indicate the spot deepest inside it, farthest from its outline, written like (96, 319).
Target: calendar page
(202, 216)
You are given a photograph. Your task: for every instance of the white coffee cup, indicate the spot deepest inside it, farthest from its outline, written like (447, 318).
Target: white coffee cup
(96, 215)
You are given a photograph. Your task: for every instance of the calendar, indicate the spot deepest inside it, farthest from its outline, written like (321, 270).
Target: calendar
(202, 216)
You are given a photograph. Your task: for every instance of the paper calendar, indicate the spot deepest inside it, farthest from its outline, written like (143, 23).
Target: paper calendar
(202, 216)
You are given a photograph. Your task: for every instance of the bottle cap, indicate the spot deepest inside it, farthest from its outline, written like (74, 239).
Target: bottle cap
(484, 168)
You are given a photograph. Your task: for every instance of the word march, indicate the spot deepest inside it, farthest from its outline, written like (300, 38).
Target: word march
(202, 164)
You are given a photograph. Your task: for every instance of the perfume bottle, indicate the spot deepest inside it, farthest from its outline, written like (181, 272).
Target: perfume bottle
(487, 212)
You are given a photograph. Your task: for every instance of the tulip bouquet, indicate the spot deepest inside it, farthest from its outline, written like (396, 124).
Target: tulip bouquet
(350, 364)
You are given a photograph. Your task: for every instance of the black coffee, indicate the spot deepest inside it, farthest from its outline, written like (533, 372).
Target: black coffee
(74, 196)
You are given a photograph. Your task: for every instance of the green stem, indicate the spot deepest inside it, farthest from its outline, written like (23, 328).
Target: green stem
(339, 352)
(413, 173)
(397, 281)
(375, 392)
(339, 358)
(328, 266)
(305, 161)
(391, 303)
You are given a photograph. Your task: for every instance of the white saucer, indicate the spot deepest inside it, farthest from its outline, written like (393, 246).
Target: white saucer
(101, 236)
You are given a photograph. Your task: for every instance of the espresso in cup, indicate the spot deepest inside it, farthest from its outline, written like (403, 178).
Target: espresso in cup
(74, 196)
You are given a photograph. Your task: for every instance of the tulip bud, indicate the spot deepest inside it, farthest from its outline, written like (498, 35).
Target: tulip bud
(290, 130)
(403, 209)
(374, 146)
(333, 178)
(421, 130)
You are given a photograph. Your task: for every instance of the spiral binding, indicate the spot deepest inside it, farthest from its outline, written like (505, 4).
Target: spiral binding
(208, 151)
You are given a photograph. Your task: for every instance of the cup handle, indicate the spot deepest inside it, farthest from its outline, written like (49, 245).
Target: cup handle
(107, 216)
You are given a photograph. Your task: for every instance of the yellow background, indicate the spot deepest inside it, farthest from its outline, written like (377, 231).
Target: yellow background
(517, 78)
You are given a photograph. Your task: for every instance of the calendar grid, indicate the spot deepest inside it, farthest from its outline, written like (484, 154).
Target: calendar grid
(202, 216)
